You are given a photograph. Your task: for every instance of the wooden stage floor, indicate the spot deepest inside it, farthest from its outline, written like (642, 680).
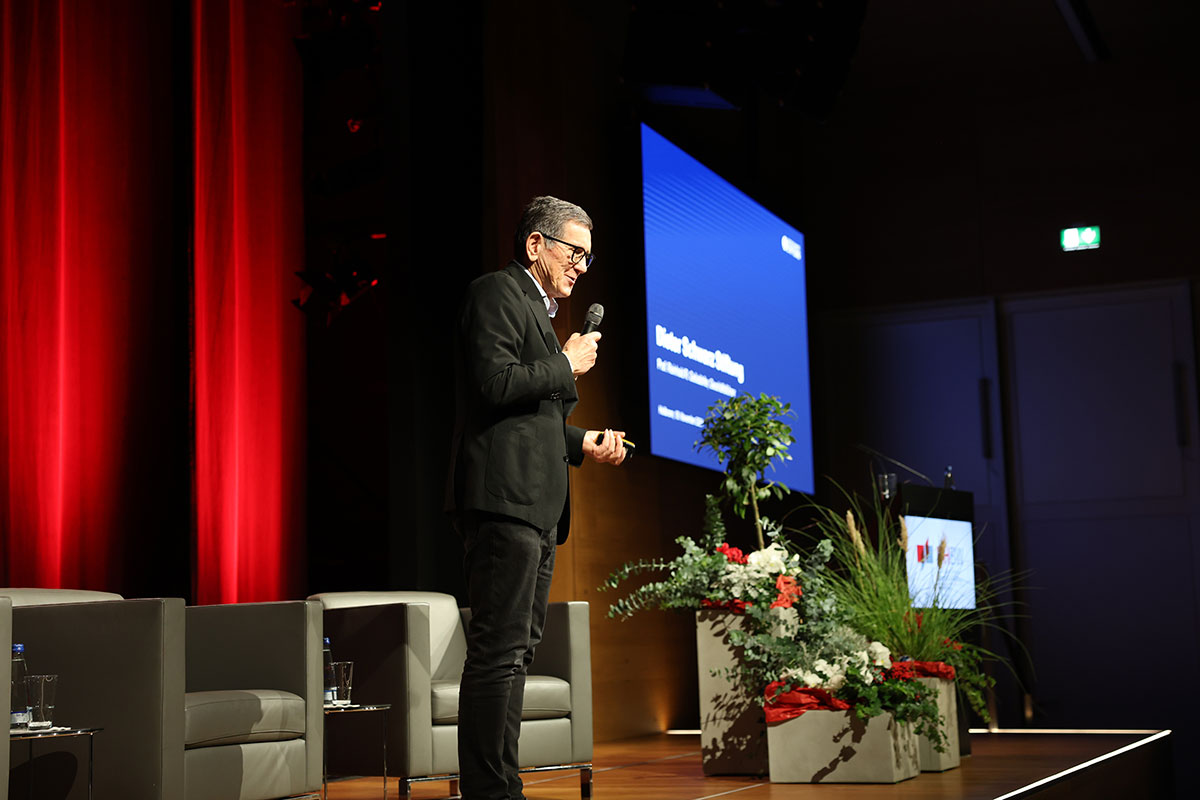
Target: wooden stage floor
(1129, 765)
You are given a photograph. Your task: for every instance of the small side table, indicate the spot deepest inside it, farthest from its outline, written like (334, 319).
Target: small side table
(27, 735)
(354, 709)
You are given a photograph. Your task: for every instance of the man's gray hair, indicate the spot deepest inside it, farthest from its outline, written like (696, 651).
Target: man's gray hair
(547, 215)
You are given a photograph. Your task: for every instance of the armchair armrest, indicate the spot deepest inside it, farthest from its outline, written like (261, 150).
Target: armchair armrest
(389, 645)
(566, 652)
(120, 667)
(5, 677)
(262, 646)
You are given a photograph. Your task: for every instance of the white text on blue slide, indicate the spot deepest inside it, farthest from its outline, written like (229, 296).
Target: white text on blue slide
(688, 348)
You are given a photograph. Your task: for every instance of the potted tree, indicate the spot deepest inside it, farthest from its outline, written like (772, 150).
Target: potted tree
(749, 435)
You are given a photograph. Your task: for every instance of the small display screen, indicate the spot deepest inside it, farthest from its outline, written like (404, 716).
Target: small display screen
(941, 562)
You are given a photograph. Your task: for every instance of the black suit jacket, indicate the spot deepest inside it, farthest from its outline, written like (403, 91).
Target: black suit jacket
(512, 445)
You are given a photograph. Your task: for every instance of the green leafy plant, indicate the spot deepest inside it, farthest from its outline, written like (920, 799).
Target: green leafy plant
(691, 577)
(748, 435)
(895, 689)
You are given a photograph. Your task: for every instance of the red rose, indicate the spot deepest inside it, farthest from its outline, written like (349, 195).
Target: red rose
(786, 584)
(733, 554)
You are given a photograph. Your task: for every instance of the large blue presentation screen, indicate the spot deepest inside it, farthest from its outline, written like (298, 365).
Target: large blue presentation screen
(726, 309)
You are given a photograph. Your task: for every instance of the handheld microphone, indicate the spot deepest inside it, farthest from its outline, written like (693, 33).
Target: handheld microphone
(591, 321)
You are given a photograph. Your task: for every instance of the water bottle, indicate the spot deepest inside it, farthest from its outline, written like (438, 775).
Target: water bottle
(330, 678)
(20, 694)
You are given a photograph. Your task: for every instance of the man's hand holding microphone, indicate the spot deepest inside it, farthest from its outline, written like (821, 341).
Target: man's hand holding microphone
(606, 446)
(581, 347)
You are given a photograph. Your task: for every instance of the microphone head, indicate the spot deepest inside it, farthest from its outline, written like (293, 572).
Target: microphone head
(591, 320)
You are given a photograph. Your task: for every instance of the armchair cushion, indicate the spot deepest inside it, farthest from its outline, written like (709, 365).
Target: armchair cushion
(44, 597)
(241, 716)
(545, 698)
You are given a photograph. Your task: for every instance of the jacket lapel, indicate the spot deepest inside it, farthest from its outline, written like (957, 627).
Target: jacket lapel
(534, 298)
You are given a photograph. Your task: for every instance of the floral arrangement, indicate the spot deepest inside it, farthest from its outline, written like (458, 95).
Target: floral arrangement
(798, 643)
(816, 635)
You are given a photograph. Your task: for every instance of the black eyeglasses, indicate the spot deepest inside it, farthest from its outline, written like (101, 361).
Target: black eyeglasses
(577, 253)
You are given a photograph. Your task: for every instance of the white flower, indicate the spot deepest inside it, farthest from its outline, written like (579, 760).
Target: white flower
(771, 560)
(879, 654)
(835, 674)
(804, 677)
(798, 675)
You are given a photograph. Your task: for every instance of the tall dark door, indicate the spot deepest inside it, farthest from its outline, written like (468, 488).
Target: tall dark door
(1100, 389)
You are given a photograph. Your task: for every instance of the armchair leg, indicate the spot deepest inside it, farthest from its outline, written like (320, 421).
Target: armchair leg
(585, 783)
(454, 790)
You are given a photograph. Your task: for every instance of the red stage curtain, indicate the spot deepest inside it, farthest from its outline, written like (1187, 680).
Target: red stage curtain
(96, 425)
(248, 355)
(77, 196)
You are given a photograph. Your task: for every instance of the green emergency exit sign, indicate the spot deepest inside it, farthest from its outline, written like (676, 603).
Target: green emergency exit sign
(1080, 238)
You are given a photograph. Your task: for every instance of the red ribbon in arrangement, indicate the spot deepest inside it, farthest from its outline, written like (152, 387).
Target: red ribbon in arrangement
(795, 702)
(736, 605)
(933, 669)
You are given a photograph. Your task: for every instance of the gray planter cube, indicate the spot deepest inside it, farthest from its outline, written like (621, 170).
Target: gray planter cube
(947, 703)
(733, 729)
(838, 747)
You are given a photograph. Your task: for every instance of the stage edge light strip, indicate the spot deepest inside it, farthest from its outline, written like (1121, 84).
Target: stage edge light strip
(731, 791)
(1060, 731)
(1079, 767)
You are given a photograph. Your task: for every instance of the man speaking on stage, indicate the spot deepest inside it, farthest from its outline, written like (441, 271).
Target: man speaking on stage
(508, 487)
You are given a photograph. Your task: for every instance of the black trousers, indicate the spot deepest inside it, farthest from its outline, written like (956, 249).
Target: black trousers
(509, 565)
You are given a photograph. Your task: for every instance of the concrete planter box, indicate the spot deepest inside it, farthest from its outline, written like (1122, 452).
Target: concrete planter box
(838, 747)
(947, 703)
(733, 730)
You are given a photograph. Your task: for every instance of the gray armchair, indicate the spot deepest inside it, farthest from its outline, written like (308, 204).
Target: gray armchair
(196, 703)
(408, 650)
(120, 667)
(253, 709)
